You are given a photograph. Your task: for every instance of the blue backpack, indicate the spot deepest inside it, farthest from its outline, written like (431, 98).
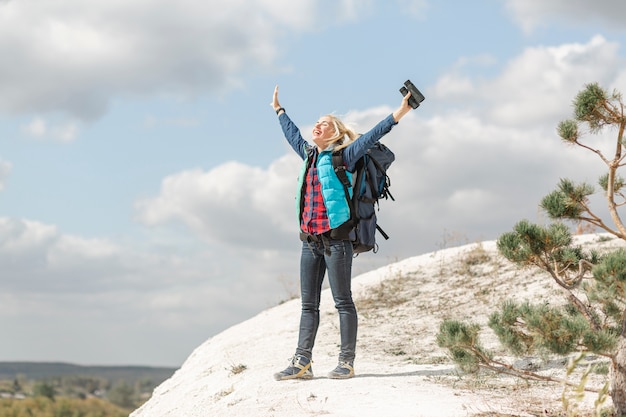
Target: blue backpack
(370, 184)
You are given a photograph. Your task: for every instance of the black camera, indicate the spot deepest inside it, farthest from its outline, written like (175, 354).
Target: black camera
(416, 96)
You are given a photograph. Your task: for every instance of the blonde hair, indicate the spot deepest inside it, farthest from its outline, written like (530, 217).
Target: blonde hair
(343, 134)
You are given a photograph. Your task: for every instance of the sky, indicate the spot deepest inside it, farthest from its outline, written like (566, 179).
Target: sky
(147, 195)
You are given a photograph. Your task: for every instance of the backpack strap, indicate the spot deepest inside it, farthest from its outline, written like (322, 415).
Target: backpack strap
(340, 171)
(340, 168)
(382, 232)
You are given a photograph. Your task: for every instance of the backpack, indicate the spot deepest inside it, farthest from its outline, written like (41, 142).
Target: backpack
(370, 184)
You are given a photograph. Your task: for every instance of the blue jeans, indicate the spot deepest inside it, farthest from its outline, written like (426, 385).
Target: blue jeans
(314, 262)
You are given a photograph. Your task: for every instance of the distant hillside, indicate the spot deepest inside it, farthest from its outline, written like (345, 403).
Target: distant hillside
(46, 370)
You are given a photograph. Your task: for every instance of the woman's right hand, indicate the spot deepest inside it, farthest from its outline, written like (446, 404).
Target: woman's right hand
(275, 104)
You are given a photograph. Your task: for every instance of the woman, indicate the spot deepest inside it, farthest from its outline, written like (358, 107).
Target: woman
(324, 215)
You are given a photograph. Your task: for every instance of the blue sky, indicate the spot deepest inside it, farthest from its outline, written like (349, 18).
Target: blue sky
(146, 191)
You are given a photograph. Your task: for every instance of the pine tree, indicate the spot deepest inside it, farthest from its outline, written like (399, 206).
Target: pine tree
(593, 316)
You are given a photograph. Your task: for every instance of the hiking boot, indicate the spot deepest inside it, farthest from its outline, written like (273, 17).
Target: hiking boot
(300, 368)
(344, 370)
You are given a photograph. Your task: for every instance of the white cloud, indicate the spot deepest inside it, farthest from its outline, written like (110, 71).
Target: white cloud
(533, 13)
(76, 281)
(66, 132)
(353, 9)
(417, 8)
(22, 236)
(550, 76)
(37, 127)
(5, 171)
(41, 129)
(74, 57)
(534, 86)
(232, 203)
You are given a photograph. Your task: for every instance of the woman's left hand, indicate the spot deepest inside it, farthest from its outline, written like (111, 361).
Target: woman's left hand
(404, 108)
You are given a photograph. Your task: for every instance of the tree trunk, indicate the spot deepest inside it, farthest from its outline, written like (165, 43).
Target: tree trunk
(618, 378)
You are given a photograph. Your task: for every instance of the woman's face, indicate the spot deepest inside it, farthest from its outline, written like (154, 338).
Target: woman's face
(323, 130)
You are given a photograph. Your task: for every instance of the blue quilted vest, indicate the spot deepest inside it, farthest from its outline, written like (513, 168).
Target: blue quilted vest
(332, 190)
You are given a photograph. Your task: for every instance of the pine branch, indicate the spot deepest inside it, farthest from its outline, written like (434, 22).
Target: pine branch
(505, 368)
(596, 151)
(571, 283)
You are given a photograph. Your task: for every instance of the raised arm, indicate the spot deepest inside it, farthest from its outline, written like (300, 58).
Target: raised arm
(404, 108)
(275, 104)
(290, 130)
(360, 146)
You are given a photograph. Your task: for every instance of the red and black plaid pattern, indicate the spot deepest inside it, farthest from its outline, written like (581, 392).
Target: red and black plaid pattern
(314, 216)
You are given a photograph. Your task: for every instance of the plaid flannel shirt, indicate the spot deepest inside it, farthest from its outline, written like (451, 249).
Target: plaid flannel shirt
(314, 216)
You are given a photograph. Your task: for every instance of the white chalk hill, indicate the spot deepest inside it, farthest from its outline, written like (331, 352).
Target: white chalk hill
(400, 370)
